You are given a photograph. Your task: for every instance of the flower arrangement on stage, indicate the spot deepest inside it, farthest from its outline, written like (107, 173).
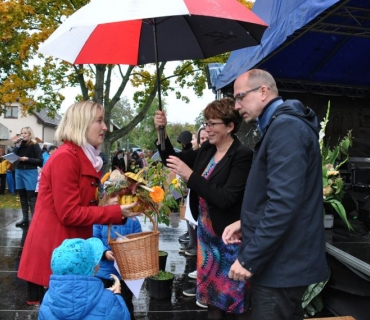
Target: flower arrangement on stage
(332, 160)
(148, 187)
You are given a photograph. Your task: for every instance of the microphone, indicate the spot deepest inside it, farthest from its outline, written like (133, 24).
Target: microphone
(18, 140)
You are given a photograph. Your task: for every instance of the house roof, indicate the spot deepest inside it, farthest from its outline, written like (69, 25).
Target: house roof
(43, 117)
(320, 47)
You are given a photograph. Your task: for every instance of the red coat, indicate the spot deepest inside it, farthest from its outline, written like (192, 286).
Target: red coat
(65, 208)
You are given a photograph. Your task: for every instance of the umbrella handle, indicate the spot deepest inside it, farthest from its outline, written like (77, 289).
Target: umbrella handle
(162, 138)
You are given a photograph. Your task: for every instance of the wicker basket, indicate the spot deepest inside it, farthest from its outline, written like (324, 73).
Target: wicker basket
(137, 257)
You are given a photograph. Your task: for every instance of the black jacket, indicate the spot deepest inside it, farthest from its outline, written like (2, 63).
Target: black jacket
(224, 188)
(118, 163)
(34, 154)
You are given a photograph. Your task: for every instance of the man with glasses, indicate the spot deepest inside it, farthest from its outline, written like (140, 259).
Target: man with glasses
(281, 229)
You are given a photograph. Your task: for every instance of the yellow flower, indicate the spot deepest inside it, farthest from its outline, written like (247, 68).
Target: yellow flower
(175, 181)
(157, 194)
(333, 173)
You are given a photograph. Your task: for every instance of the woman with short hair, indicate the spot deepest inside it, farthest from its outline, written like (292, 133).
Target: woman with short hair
(216, 175)
(67, 205)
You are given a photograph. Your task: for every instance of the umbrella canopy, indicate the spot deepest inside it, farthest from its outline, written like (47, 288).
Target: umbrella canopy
(138, 32)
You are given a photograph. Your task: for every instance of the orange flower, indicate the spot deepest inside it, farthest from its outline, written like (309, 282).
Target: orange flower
(157, 195)
(105, 177)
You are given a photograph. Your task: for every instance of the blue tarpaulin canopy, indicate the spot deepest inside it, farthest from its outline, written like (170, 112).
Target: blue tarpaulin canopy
(316, 46)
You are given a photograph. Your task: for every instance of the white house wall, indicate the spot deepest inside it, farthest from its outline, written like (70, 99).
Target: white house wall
(15, 126)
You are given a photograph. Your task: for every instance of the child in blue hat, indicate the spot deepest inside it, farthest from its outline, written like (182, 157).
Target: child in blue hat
(74, 292)
(107, 263)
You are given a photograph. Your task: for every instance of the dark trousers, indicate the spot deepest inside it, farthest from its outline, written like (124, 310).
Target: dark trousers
(276, 303)
(125, 293)
(35, 293)
(2, 183)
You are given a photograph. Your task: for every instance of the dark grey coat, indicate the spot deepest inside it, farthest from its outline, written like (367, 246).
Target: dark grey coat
(282, 215)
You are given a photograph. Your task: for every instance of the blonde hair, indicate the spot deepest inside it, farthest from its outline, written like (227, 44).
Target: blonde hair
(76, 121)
(32, 139)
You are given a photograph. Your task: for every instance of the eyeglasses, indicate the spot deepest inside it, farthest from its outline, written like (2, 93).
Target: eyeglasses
(239, 97)
(211, 125)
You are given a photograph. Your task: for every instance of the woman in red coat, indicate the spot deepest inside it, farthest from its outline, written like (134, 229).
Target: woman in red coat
(67, 202)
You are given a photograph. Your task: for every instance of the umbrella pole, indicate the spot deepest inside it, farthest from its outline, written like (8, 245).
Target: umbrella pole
(161, 129)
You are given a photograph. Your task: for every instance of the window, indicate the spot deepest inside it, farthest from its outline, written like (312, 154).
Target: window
(11, 112)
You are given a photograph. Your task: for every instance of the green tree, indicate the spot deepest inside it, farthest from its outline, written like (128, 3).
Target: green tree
(35, 80)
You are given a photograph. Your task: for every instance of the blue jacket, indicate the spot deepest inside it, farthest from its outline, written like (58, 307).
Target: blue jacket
(71, 297)
(101, 231)
(283, 242)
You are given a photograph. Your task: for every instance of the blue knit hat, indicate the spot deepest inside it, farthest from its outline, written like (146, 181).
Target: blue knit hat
(77, 256)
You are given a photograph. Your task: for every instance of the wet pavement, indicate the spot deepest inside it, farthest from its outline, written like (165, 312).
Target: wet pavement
(13, 290)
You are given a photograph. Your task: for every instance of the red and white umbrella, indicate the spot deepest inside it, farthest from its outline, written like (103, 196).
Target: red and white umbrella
(122, 31)
(137, 32)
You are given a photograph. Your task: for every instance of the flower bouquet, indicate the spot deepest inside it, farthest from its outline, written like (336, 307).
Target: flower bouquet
(332, 160)
(148, 187)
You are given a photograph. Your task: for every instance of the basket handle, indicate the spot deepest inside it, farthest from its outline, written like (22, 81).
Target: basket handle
(155, 228)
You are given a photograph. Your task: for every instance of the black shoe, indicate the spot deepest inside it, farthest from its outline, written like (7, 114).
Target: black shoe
(185, 248)
(191, 251)
(185, 237)
(192, 292)
(184, 240)
(22, 223)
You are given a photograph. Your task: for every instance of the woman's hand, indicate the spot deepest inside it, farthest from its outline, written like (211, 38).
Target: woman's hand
(232, 233)
(126, 212)
(160, 119)
(179, 167)
(23, 159)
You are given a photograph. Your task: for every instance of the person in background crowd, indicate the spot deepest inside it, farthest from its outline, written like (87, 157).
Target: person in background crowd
(202, 136)
(67, 204)
(184, 139)
(44, 148)
(281, 229)
(143, 159)
(118, 161)
(46, 155)
(189, 249)
(105, 168)
(135, 163)
(107, 263)
(216, 175)
(26, 173)
(194, 142)
(4, 167)
(74, 292)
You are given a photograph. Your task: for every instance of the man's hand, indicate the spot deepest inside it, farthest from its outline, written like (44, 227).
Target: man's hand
(238, 273)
